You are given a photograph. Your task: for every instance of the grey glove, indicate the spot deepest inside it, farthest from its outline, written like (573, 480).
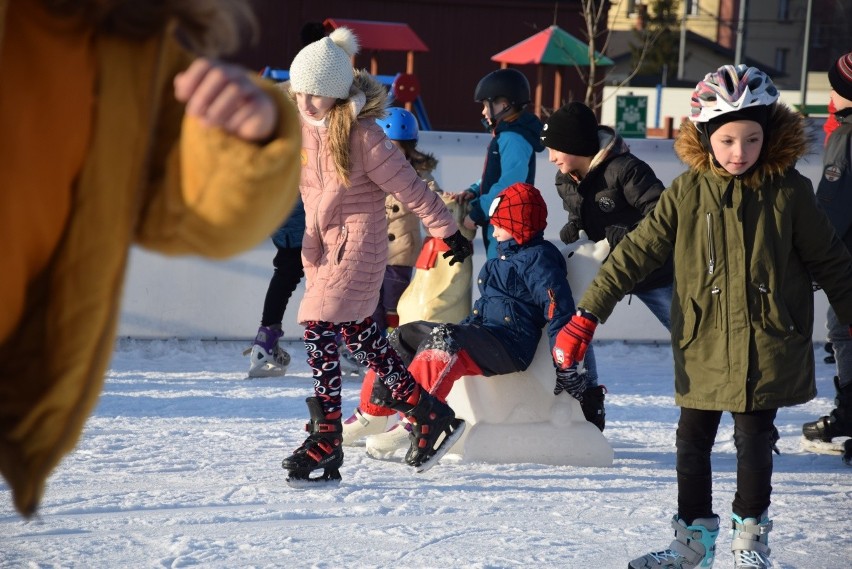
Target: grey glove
(615, 233)
(570, 232)
(570, 381)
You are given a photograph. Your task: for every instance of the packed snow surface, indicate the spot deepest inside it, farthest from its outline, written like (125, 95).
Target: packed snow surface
(179, 466)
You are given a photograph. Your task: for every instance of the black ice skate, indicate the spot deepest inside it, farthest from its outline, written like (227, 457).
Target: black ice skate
(593, 406)
(434, 426)
(836, 424)
(321, 450)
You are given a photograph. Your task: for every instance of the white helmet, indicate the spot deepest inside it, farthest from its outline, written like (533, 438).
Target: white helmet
(730, 89)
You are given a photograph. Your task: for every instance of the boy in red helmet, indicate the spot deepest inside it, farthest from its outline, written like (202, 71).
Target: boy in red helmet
(522, 291)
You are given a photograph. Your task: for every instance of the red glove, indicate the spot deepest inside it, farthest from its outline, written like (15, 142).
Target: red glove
(573, 340)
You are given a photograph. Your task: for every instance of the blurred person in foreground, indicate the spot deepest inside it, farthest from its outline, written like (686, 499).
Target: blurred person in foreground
(113, 133)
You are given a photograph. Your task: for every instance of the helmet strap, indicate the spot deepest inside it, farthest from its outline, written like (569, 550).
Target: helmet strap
(495, 118)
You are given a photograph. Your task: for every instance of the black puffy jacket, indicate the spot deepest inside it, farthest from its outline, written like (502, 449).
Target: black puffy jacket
(618, 191)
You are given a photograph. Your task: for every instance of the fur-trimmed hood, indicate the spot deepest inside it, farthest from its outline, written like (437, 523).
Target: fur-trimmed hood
(368, 97)
(787, 142)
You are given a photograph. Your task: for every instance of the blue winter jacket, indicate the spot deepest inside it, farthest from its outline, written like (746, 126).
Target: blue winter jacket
(521, 291)
(289, 235)
(510, 159)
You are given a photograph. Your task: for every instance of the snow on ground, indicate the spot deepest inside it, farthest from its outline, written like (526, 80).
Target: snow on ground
(179, 466)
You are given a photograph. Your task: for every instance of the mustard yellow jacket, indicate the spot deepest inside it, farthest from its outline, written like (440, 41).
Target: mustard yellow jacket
(154, 178)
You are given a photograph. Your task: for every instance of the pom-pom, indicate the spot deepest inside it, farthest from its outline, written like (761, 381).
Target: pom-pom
(347, 40)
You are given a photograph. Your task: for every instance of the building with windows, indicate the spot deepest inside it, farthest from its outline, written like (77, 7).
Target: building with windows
(769, 34)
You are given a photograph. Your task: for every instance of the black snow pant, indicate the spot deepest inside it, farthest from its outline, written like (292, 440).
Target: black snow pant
(483, 347)
(285, 278)
(753, 437)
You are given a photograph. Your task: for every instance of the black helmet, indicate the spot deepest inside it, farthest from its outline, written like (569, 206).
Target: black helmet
(508, 83)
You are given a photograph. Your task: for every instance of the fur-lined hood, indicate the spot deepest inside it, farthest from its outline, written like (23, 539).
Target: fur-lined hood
(423, 162)
(368, 97)
(787, 143)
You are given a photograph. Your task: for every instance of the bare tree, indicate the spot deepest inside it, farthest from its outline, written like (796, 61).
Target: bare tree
(595, 13)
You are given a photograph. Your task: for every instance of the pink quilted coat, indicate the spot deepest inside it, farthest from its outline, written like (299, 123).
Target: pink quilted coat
(345, 247)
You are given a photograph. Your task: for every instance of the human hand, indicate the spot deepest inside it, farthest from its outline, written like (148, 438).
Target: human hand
(571, 382)
(462, 197)
(460, 248)
(222, 95)
(468, 223)
(615, 233)
(569, 233)
(573, 340)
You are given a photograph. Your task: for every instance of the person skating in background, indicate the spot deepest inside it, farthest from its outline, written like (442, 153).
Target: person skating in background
(523, 291)
(834, 194)
(348, 167)
(747, 235)
(404, 239)
(267, 357)
(126, 138)
(504, 95)
(606, 191)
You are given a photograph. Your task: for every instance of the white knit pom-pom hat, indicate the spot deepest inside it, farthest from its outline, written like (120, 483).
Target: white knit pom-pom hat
(324, 67)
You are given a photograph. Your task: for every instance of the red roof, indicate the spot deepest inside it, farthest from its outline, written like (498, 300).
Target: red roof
(380, 36)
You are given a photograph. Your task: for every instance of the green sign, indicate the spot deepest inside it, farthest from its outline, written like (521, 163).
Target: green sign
(631, 114)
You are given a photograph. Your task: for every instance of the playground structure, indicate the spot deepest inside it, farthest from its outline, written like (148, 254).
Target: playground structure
(375, 37)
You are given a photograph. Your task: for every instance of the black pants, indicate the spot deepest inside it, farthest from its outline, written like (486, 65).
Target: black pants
(483, 347)
(285, 278)
(753, 437)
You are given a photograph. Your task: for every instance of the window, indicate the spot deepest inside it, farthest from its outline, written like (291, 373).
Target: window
(783, 10)
(692, 8)
(781, 59)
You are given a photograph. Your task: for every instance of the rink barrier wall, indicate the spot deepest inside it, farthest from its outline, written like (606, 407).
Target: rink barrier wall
(195, 298)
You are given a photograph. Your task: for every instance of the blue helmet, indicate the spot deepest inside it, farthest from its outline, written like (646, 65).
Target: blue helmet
(399, 124)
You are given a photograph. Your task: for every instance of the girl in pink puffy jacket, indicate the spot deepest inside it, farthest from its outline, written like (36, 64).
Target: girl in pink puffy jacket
(348, 168)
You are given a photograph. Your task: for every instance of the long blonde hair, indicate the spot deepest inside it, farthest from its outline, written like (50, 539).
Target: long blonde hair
(340, 120)
(207, 27)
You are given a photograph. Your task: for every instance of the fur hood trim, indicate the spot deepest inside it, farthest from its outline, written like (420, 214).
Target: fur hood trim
(787, 142)
(368, 97)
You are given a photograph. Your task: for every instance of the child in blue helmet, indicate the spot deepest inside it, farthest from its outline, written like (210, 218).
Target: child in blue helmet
(404, 238)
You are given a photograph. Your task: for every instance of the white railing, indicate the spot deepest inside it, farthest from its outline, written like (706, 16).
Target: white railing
(190, 297)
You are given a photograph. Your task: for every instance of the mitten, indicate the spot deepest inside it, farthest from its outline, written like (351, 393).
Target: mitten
(570, 232)
(573, 340)
(570, 381)
(615, 233)
(460, 248)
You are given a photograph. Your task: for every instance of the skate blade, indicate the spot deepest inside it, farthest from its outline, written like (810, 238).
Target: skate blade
(305, 482)
(267, 370)
(447, 443)
(821, 447)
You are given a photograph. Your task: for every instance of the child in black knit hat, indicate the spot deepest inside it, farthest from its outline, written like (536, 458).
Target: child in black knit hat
(606, 191)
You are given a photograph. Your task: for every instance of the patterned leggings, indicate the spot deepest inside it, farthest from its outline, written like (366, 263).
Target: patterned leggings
(369, 347)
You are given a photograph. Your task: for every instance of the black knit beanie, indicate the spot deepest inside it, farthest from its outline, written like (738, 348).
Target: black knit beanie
(758, 114)
(573, 129)
(840, 76)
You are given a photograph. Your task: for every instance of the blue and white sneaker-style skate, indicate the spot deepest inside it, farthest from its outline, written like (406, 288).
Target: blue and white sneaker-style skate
(750, 542)
(694, 547)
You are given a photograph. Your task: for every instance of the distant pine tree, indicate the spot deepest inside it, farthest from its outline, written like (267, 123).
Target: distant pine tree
(662, 23)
